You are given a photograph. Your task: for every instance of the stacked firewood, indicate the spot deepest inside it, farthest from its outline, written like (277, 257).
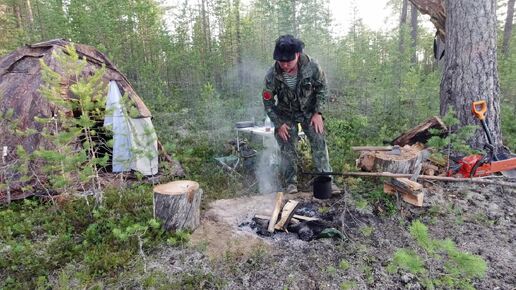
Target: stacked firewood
(407, 155)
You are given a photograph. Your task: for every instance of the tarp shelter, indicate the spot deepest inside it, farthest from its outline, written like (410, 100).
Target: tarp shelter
(20, 80)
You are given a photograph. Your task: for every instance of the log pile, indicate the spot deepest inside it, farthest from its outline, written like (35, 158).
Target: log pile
(410, 191)
(407, 156)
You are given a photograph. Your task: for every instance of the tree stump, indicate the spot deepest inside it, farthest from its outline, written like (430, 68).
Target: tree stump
(409, 161)
(177, 205)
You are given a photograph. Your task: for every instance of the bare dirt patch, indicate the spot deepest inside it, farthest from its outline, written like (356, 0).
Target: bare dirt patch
(226, 254)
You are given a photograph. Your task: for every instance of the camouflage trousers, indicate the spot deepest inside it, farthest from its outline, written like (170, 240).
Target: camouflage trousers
(289, 155)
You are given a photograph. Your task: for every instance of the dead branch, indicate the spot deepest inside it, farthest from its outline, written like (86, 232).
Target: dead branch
(431, 177)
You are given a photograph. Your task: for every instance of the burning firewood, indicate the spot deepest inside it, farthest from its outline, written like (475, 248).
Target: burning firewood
(275, 212)
(286, 214)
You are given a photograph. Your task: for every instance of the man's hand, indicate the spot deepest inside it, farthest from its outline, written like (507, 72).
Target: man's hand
(283, 132)
(318, 123)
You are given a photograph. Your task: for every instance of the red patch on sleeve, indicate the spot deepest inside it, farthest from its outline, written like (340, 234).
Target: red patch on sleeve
(267, 95)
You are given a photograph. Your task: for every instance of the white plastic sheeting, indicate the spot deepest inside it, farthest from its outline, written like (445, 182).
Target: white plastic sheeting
(135, 143)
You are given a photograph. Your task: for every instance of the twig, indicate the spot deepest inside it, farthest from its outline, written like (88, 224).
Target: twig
(140, 251)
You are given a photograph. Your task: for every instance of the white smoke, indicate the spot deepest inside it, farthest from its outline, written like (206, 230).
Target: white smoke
(266, 171)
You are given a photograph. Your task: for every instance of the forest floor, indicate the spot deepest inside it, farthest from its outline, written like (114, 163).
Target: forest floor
(226, 253)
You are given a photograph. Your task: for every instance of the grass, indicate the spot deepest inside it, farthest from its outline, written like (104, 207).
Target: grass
(39, 239)
(348, 285)
(344, 265)
(458, 270)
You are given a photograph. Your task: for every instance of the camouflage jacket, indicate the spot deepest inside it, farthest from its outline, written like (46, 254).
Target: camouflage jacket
(310, 92)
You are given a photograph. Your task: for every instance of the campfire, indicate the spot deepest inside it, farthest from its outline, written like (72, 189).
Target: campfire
(292, 216)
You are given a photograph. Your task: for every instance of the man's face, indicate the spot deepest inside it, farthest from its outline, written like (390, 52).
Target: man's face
(289, 66)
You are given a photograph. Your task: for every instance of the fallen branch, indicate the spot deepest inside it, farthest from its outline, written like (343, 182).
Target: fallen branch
(425, 177)
(372, 148)
(431, 177)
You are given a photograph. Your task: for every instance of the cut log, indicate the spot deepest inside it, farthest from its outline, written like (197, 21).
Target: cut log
(420, 133)
(411, 191)
(286, 214)
(275, 211)
(177, 205)
(409, 161)
(406, 184)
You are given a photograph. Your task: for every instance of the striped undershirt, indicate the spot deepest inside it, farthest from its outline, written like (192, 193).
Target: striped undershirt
(291, 80)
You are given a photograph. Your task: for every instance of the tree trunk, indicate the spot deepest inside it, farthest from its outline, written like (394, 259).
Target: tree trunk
(413, 31)
(294, 18)
(18, 16)
(29, 13)
(177, 205)
(507, 32)
(206, 26)
(403, 22)
(239, 45)
(470, 70)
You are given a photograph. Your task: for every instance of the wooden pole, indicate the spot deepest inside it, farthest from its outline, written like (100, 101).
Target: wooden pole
(428, 177)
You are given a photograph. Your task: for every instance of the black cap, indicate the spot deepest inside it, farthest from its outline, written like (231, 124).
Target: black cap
(286, 48)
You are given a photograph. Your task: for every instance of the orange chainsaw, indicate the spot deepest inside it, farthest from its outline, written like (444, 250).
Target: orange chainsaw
(493, 161)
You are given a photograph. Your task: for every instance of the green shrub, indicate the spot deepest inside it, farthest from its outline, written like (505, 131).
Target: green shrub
(459, 269)
(39, 239)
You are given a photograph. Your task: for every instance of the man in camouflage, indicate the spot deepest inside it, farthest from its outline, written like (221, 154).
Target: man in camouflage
(295, 90)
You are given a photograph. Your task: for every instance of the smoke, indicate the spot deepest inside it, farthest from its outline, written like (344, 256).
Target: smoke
(266, 170)
(238, 97)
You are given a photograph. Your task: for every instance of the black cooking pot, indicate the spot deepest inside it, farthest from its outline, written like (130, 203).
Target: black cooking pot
(322, 187)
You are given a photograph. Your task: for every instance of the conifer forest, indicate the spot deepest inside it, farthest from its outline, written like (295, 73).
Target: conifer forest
(137, 148)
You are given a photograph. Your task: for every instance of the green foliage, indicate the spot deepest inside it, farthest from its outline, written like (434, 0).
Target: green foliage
(454, 140)
(367, 231)
(348, 285)
(341, 135)
(459, 269)
(39, 239)
(180, 237)
(419, 233)
(368, 195)
(64, 164)
(344, 265)
(407, 260)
